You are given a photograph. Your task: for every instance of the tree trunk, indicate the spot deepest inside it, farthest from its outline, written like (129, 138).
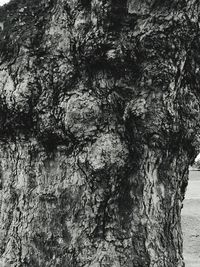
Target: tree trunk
(99, 120)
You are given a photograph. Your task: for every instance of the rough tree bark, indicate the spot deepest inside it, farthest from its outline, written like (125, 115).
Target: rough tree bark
(99, 121)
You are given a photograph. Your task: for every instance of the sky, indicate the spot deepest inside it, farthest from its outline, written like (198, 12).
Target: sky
(197, 158)
(2, 2)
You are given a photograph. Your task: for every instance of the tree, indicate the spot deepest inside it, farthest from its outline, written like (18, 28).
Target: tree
(99, 123)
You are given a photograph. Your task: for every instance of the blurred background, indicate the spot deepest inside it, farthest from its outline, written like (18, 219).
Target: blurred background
(191, 217)
(2, 2)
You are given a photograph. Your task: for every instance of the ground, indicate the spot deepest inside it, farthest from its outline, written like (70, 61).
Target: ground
(191, 221)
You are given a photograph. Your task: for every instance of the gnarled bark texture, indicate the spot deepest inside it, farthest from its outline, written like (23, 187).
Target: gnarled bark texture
(99, 121)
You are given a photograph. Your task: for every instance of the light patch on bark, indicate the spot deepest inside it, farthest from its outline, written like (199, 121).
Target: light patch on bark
(107, 151)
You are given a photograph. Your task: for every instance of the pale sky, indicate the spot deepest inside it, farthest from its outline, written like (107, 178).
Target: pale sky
(2, 2)
(197, 158)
